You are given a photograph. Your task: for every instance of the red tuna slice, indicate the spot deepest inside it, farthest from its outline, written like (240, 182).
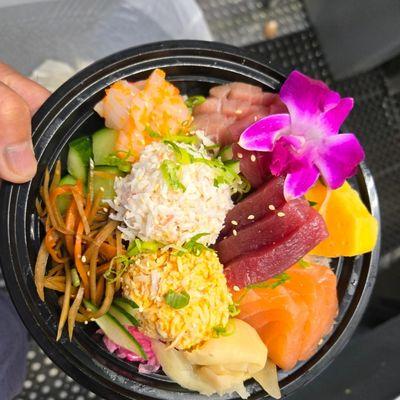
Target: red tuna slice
(214, 125)
(257, 204)
(254, 165)
(221, 91)
(210, 106)
(266, 231)
(243, 91)
(270, 260)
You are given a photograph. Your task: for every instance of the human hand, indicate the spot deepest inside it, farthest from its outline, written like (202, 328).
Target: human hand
(19, 99)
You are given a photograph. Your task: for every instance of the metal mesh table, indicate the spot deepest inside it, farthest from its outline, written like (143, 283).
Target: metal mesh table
(241, 22)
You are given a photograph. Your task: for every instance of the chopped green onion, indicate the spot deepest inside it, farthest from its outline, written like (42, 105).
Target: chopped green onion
(182, 155)
(177, 300)
(227, 330)
(121, 163)
(75, 278)
(312, 203)
(193, 246)
(189, 139)
(278, 280)
(152, 133)
(170, 171)
(194, 101)
(304, 264)
(233, 310)
(111, 275)
(138, 246)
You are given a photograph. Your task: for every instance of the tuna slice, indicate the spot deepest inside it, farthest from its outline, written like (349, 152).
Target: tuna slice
(272, 259)
(271, 229)
(254, 165)
(231, 108)
(256, 204)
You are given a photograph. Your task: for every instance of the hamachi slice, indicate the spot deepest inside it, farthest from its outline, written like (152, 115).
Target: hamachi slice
(272, 259)
(293, 317)
(270, 229)
(316, 285)
(257, 204)
(231, 108)
(279, 316)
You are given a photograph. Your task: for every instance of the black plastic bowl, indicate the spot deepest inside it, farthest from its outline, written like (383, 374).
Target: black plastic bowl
(194, 67)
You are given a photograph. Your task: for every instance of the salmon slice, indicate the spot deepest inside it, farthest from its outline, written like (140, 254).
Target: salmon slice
(266, 231)
(271, 259)
(293, 317)
(279, 320)
(256, 204)
(316, 284)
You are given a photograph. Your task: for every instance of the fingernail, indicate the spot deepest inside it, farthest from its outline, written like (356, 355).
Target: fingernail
(20, 159)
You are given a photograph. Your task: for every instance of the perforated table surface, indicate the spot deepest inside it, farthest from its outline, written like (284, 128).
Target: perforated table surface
(376, 119)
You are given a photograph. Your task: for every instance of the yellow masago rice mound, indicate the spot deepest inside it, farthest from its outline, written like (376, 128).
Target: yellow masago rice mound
(152, 276)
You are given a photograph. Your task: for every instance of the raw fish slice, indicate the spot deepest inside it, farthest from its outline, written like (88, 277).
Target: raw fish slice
(279, 320)
(237, 128)
(254, 165)
(264, 98)
(210, 106)
(214, 125)
(257, 204)
(235, 108)
(267, 261)
(243, 91)
(221, 91)
(317, 286)
(266, 231)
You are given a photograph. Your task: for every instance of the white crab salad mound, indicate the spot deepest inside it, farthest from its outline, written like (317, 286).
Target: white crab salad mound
(152, 209)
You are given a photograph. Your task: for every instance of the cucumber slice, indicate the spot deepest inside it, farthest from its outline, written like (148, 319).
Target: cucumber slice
(116, 332)
(64, 200)
(128, 305)
(104, 142)
(103, 177)
(79, 154)
(122, 315)
(226, 153)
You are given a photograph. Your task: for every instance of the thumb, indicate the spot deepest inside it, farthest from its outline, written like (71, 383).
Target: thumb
(17, 161)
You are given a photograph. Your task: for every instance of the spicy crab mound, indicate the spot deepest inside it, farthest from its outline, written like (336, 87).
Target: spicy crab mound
(186, 228)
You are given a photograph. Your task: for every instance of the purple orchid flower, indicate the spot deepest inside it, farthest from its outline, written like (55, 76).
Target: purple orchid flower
(305, 142)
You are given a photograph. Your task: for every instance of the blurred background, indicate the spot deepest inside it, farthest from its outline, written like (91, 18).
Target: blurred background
(352, 45)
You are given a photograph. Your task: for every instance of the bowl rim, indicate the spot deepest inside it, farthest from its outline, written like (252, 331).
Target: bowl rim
(45, 114)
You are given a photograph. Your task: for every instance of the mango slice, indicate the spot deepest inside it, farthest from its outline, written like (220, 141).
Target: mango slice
(352, 229)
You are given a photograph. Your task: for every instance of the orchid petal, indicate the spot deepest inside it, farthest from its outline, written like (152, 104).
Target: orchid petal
(333, 119)
(262, 135)
(283, 157)
(297, 183)
(304, 96)
(339, 159)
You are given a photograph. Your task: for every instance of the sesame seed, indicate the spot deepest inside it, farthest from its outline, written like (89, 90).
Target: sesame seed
(101, 188)
(234, 232)
(233, 222)
(92, 319)
(271, 207)
(238, 112)
(86, 322)
(280, 214)
(240, 155)
(251, 216)
(255, 118)
(236, 288)
(105, 209)
(253, 158)
(83, 259)
(88, 273)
